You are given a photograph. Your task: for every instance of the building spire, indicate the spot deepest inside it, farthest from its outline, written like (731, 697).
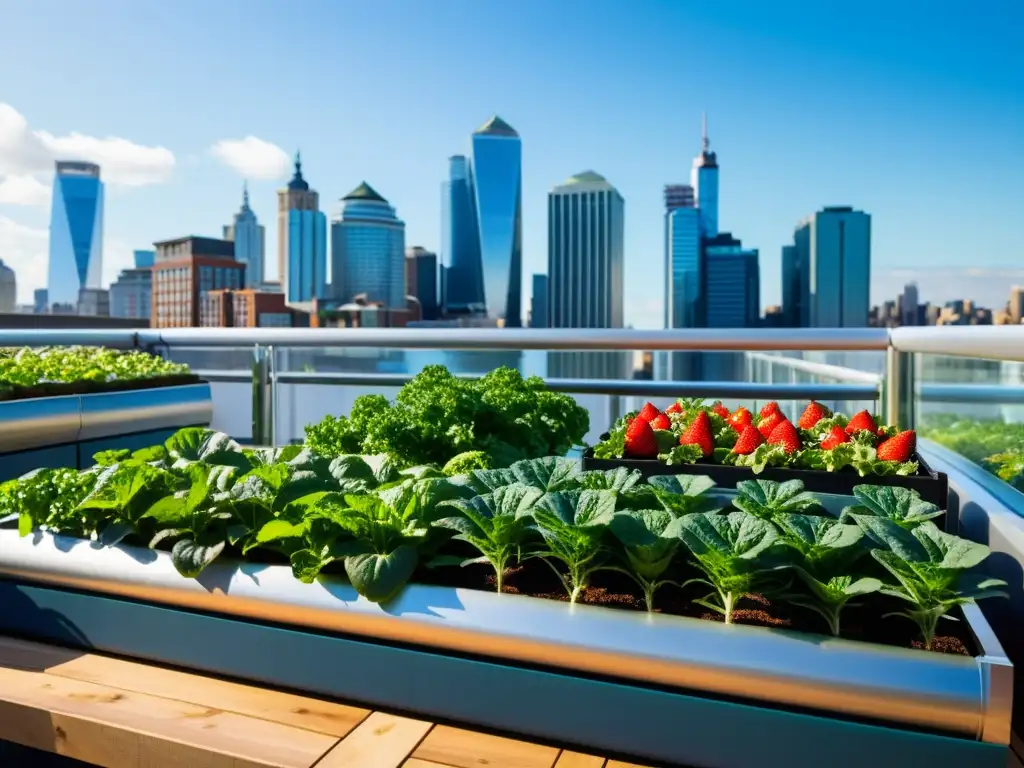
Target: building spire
(245, 195)
(705, 142)
(297, 182)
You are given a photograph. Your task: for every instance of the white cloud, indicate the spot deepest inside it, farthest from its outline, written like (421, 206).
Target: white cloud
(24, 249)
(23, 190)
(27, 156)
(252, 158)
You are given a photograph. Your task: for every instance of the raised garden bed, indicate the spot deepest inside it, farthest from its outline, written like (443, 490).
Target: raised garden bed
(407, 613)
(828, 453)
(60, 406)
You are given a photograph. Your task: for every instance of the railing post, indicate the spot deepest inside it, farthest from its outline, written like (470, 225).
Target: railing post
(262, 396)
(898, 389)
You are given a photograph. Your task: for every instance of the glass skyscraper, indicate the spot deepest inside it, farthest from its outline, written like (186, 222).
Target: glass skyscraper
(76, 232)
(368, 250)
(463, 282)
(301, 241)
(833, 250)
(497, 185)
(704, 179)
(249, 238)
(732, 281)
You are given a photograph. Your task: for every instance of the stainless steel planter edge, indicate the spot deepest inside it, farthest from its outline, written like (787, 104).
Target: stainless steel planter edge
(46, 421)
(970, 697)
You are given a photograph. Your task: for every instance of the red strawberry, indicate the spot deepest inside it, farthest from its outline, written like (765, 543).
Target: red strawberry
(769, 409)
(836, 436)
(661, 422)
(898, 448)
(699, 433)
(674, 408)
(720, 409)
(748, 440)
(861, 421)
(641, 442)
(648, 412)
(785, 435)
(770, 422)
(813, 413)
(741, 418)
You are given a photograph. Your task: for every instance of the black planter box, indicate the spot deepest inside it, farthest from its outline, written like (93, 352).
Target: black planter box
(933, 486)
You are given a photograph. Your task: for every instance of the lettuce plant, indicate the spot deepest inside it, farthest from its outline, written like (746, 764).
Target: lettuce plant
(122, 495)
(572, 525)
(733, 552)
(496, 524)
(767, 498)
(682, 494)
(901, 505)
(648, 551)
(930, 568)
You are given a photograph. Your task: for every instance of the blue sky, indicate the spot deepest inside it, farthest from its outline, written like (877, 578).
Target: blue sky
(909, 110)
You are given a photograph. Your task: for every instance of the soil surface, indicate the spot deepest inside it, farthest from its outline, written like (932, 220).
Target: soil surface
(613, 590)
(56, 389)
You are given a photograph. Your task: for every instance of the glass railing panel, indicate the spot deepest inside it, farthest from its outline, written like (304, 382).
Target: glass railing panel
(975, 408)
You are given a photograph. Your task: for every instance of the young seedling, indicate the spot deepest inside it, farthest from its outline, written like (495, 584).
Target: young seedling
(648, 552)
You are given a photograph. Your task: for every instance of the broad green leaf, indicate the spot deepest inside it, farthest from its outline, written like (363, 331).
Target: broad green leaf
(379, 577)
(578, 508)
(553, 473)
(621, 479)
(767, 498)
(307, 564)
(738, 534)
(191, 557)
(902, 505)
(682, 494)
(827, 545)
(196, 444)
(275, 530)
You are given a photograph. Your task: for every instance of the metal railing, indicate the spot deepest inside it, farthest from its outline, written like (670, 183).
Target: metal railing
(896, 388)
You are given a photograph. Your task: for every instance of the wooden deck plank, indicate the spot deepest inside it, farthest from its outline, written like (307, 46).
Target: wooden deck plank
(381, 741)
(109, 727)
(620, 764)
(467, 749)
(578, 760)
(289, 709)
(415, 762)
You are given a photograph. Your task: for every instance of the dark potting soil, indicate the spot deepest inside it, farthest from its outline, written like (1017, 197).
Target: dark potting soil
(613, 590)
(57, 389)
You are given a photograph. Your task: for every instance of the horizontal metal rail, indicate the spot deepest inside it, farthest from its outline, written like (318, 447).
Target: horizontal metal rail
(113, 338)
(626, 387)
(988, 342)
(823, 370)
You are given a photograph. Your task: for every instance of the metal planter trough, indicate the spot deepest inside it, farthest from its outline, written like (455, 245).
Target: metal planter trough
(66, 430)
(700, 693)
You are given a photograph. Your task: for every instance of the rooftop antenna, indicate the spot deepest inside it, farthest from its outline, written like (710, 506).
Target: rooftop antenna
(705, 143)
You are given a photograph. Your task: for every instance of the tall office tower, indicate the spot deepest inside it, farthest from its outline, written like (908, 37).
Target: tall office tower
(301, 241)
(908, 305)
(249, 237)
(421, 279)
(733, 283)
(539, 302)
(704, 179)
(368, 250)
(496, 178)
(684, 277)
(1017, 305)
(835, 244)
(794, 280)
(679, 196)
(585, 253)
(186, 272)
(76, 232)
(8, 288)
(462, 284)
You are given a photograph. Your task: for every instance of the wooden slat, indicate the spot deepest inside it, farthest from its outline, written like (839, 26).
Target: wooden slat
(415, 762)
(109, 727)
(465, 749)
(620, 764)
(288, 709)
(381, 741)
(578, 760)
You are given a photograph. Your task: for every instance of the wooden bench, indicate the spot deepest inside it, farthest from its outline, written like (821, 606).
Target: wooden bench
(111, 712)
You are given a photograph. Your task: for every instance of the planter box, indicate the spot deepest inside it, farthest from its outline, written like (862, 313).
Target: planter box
(933, 486)
(532, 666)
(65, 431)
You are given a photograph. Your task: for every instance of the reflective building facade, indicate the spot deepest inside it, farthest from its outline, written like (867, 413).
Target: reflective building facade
(496, 174)
(421, 279)
(835, 244)
(704, 179)
(301, 241)
(368, 250)
(732, 280)
(249, 238)
(462, 282)
(76, 232)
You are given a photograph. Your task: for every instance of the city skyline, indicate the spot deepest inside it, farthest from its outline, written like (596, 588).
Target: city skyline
(881, 141)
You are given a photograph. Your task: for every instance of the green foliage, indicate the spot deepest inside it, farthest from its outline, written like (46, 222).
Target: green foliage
(24, 368)
(767, 498)
(437, 416)
(993, 444)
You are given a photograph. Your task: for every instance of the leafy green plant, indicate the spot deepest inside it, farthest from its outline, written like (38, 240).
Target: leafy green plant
(121, 496)
(767, 498)
(733, 552)
(931, 569)
(829, 598)
(47, 499)
(497, 524)
(682, 494)
(901, 505)
(648, 551)
(572, 525)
